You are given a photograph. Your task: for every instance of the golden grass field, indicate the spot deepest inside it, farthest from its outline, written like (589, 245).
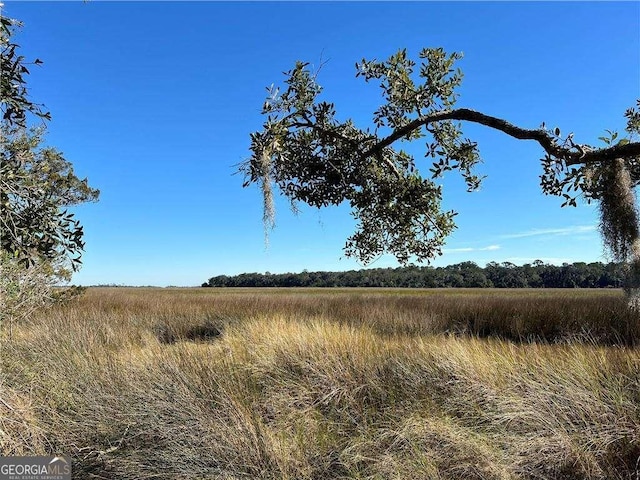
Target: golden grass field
(328, 384)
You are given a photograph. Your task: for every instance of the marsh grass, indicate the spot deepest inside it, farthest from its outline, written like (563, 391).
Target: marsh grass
(300, 384)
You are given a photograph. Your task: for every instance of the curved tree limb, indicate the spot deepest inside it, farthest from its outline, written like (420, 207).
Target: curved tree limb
(546, 140)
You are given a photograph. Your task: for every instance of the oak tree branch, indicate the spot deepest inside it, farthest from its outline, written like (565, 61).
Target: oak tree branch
(546, 140)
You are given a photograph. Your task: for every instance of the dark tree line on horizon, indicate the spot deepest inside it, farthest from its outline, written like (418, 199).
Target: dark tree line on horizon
(460, 275)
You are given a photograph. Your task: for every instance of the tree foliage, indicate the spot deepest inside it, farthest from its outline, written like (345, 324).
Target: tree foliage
(313, 157)
(41, 241)
(36, 184)
(16, 103)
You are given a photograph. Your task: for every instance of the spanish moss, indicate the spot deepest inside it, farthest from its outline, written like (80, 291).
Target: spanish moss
(269, 211)
(619, 223)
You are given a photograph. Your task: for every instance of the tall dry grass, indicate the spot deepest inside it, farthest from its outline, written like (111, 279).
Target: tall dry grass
(136, 383)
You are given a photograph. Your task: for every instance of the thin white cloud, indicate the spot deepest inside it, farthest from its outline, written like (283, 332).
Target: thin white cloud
(471, 249)
(552, 232)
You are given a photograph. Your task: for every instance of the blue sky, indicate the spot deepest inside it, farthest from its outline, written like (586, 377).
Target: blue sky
(154, 102)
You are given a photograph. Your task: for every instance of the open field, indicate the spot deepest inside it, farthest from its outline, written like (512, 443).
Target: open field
(315, 384)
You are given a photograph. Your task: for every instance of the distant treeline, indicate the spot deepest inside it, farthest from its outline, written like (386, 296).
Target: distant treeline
(461, 275)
